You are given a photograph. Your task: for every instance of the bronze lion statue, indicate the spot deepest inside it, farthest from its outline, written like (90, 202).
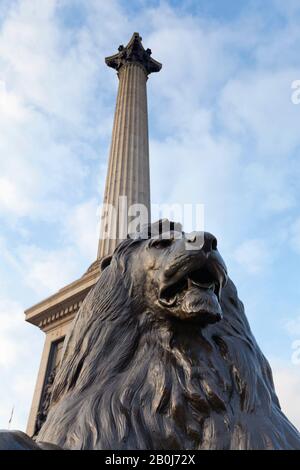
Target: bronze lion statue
(161, 356)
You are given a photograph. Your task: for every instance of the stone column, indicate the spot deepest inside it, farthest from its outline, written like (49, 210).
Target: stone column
(128, 170)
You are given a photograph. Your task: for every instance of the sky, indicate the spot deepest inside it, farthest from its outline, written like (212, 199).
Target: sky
(224, 132)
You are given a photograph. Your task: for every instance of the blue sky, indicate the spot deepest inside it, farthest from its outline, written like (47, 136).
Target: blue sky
(223, 132)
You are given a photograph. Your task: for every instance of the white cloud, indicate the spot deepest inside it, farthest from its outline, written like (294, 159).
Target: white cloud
(12, 198)
(82, 227)
(10, 315)
(20, 350)
(46, 271)
(253, 255)
(49, 77)
(287, 385)
(295, 235)
(10, 106)
(259, 103)
(35, 61)
(19, 388)
(293, 326)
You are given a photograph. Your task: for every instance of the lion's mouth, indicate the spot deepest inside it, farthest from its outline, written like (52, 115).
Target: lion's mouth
(197, 293)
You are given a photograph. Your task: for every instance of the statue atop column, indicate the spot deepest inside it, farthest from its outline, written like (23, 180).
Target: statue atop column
(134, 53)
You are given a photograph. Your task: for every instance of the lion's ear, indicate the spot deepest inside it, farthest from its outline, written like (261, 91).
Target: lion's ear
(105, 262)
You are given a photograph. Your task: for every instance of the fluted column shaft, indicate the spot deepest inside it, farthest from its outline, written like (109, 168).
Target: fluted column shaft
(128, 171)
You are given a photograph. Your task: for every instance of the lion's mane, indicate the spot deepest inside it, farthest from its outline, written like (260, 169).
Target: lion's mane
(128, 381)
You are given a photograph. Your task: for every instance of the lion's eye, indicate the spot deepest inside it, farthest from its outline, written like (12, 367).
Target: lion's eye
(161, 242)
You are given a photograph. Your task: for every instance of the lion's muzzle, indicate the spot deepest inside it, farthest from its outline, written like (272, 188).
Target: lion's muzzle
(192, 281)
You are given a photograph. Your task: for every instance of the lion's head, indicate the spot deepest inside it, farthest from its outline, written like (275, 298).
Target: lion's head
(161, 356)
(179, 275)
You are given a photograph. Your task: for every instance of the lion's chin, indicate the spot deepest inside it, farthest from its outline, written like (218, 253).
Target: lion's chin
(198, 304)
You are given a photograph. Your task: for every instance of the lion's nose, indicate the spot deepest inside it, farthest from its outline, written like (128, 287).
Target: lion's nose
(210, 242)
(204, 240)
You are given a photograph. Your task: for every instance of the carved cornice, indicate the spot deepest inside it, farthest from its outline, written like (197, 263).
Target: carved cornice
(62, 314)
(134, 53)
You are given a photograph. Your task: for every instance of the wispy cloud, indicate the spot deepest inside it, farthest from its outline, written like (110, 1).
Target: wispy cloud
(293, 326)
(287, 384)
(253, 255)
